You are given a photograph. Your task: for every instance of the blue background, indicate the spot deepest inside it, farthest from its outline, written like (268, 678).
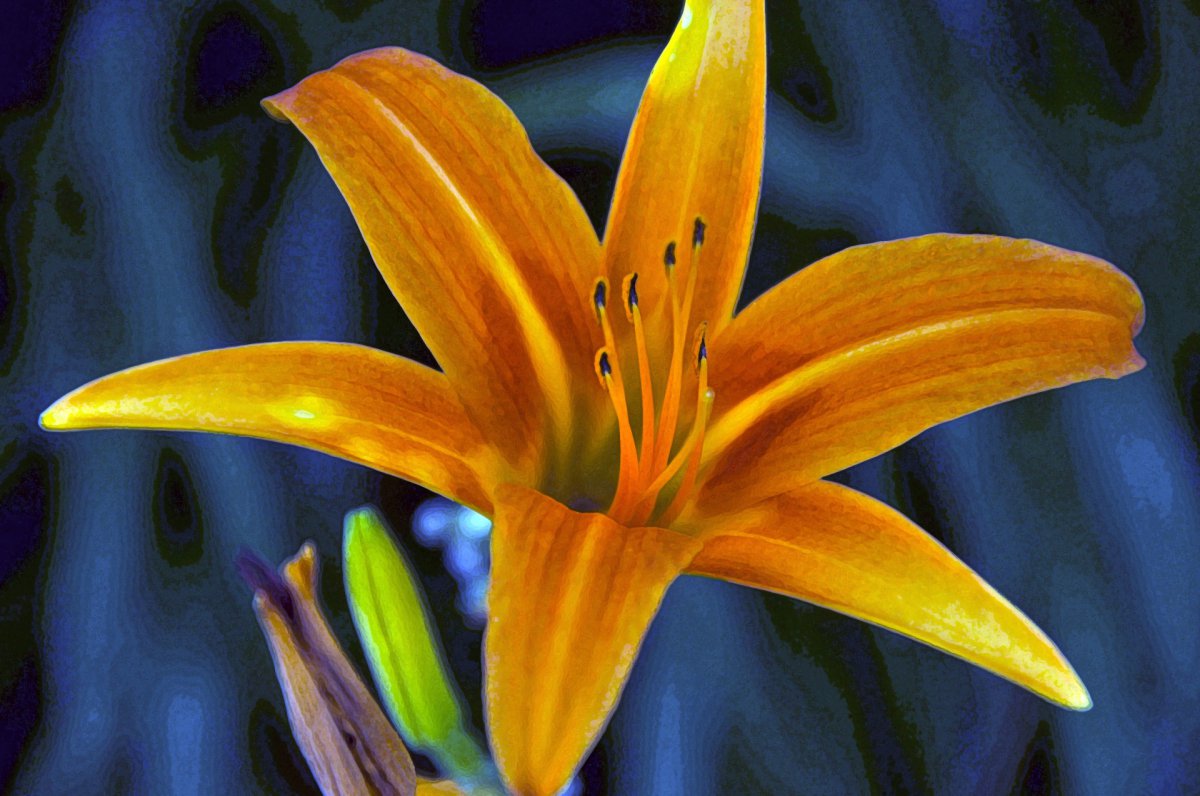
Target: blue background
(151, 209)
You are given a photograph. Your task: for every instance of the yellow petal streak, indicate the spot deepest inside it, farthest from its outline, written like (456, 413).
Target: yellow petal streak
(570, 600)
(695, 149)
(484, 245)
(355, 402)
(835, 547)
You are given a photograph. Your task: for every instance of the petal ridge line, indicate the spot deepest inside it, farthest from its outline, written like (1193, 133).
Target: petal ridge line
(552, 371)
(737, 419)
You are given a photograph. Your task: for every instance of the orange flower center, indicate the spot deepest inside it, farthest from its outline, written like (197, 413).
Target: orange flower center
(648, 468)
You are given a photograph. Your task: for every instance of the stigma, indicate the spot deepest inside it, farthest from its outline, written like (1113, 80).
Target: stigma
(657, 475)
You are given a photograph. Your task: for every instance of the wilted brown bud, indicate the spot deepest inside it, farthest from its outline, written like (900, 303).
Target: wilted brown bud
(345, 737)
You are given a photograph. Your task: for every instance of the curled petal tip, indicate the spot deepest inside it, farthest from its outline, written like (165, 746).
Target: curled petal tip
(277, 105)
(1130, 366)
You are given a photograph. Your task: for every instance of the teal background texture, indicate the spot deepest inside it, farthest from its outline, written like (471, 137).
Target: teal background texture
(150, 208)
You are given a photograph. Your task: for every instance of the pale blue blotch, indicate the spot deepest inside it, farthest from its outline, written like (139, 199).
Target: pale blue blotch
(1146, 476)
(432, 519)
(464, 536)
(668, 754)
(472, 524)
(464, 559)
(185, 734)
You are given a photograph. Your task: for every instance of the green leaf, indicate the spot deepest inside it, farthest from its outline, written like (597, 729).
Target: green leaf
(402, 647)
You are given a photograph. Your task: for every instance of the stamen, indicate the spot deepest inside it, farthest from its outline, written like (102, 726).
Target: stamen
(648, 469)
(603, 368)
(683, 494)
(629, 288)
(600, 300)
(696, 435)
(609, 366)
(610, 377)
(672, 468)
(704, 402)
(690, 453)
(634, 312)
(600, 295)
(679, 319)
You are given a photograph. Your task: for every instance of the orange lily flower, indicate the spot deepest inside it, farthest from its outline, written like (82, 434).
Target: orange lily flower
(703, 447)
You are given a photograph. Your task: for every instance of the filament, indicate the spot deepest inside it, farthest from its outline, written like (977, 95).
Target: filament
(679, 319)
(634, 313)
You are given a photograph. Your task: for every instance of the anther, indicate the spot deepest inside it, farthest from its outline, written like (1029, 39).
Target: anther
(603, 368)
(629, 291)
(669, 255)
(600, 297)
(698, 233)
(700, 344)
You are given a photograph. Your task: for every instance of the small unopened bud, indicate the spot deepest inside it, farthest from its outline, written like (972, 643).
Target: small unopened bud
(349, 744)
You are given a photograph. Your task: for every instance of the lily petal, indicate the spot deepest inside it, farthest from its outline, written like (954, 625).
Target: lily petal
(864, 350)
(347, 741)
(876, 290)
(696, 149)
(485, 247)
(832, 546)
(355, 402)
(570, 599)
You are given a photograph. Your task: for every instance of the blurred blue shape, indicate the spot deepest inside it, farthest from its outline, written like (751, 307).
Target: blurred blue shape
(1145, 470)
(464, 537)
(433, 519)
(464, 559)
(472, 600)
(184, 740)
(472, 524)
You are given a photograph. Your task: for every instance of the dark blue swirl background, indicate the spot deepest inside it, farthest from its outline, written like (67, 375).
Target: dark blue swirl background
(151, 209)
